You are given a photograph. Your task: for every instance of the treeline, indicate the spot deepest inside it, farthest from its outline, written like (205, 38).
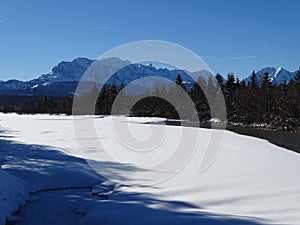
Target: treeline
(253, 103)
(259, 104)
(44, 104)
(266, 104)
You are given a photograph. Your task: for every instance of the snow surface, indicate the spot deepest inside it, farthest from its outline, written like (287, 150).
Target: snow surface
(54, 207)
(12, 194)
(250, 182)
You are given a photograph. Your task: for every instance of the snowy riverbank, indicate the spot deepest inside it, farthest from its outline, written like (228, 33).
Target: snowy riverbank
(250, 182)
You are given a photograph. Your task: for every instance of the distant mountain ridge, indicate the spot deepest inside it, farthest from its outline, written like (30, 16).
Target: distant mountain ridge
(63, 78)
(66, 71)
(277, 76)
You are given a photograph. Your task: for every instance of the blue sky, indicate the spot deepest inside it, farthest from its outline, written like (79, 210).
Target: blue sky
(231, 35)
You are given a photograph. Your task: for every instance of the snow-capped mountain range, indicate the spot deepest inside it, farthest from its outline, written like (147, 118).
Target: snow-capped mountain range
(63, 78)
(277, 76)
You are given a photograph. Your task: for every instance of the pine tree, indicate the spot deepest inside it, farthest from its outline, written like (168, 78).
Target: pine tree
(243, 84)
(196, 91)
(266, 82)
(179, 82)
(220, 80)
(297, 77)
(253, 80)
(265, 101)
(238, 83)
(230, 84)
(199, 98)
(94, 92)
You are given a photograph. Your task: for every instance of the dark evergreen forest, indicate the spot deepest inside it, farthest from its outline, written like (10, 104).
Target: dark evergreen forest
(247, 104)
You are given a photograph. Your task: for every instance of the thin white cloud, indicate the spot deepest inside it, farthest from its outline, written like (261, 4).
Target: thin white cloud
(99, 28)
(208, 57)
(230, 58)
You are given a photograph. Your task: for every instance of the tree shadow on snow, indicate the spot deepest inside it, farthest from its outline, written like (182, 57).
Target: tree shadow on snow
(45, 168)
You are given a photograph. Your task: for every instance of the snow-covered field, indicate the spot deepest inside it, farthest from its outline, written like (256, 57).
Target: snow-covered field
(250, 182)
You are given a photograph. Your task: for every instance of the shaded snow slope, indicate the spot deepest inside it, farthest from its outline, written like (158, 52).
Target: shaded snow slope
(27, 168)
(54, 207)
(12, 194)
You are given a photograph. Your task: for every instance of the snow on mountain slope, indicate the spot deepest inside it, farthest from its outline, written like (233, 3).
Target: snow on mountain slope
(14, 84)
(282, 75)
(67, 71)
(250, 182)
(277, 76)
(261, 73)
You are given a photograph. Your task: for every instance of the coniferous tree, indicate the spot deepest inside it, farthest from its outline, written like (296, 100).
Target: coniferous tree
(229, 90)
(266, 82)
(253, 80)
(297, 77)
(265, 100)
(211, 89)
(238, 83)
(197, 95)
(243, 84)
(230, 84)
(220, 80)
(263, 103)
(179, 81)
